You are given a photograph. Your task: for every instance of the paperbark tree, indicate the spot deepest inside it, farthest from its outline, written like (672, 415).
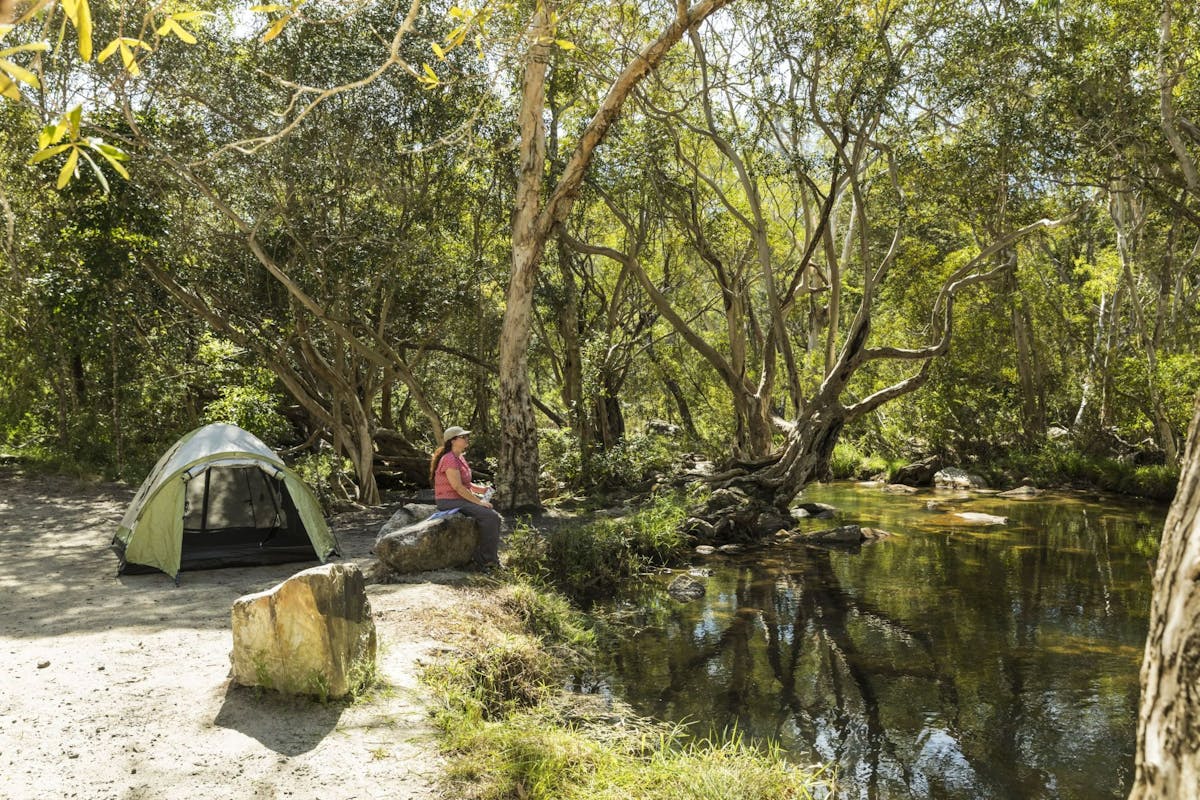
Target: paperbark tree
(535, 220)
(1168, 744)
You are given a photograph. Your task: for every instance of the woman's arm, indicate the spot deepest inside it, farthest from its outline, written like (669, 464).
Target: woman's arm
(456, 483)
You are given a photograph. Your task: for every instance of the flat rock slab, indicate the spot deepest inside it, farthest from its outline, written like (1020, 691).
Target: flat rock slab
(977, 518)
(1021, 493)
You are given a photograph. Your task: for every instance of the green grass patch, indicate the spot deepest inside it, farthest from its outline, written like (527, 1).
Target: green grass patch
(510, 731)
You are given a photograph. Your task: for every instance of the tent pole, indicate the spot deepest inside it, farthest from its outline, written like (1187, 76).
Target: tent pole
(204, 509)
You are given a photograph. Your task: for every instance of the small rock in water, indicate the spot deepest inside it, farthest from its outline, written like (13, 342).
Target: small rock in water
(981, 519)
(730, 549)
(1021, 493)
(705, 549)
(685, 588)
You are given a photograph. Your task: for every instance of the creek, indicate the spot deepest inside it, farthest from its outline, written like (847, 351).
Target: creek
(951, 660)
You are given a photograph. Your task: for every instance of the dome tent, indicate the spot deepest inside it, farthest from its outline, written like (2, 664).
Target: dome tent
(219, 497)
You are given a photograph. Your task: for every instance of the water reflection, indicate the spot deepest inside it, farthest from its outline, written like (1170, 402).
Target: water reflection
(950, 661)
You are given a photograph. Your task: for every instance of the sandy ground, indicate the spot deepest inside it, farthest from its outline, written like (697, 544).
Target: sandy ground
(118, 686)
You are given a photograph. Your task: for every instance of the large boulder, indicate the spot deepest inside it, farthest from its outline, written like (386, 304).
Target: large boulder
(406, 515)
(955, 478)
(436, 542)
(919, 473)
(312, 634)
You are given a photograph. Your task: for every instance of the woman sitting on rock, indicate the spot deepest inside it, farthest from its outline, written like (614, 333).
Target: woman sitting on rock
(452, 488)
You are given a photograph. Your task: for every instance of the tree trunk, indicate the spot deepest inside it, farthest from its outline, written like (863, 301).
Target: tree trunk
(1029, 368)
(533, 224)
(1168, 747)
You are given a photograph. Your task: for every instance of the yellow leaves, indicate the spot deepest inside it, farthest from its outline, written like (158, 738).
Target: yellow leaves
(12, 73)
(80, 15)
(77, 146)
(468, 21)
(428, 78)
(291, 11)
(171, 25)
(125, 45)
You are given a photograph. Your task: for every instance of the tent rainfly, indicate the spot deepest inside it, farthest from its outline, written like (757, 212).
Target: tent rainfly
(219, 498)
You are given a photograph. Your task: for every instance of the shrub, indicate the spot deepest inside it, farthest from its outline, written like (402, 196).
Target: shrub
(325, 472)
(493, 681)
(630, 463)
(591, 559)
(252, 408)
(849, 461)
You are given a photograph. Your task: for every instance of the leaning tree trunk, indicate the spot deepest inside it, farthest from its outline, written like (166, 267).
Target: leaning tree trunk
(1168, 746)
(751, 499)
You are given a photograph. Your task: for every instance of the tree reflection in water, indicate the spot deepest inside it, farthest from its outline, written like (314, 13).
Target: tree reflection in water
(946, 662)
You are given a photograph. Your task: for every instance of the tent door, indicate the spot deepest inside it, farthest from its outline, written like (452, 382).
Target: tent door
(241, 515)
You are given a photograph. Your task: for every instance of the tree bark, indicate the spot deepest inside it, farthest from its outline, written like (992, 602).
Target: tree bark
(1168, 747)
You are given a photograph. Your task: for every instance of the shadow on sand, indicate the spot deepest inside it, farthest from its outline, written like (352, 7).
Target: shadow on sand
(288, 725)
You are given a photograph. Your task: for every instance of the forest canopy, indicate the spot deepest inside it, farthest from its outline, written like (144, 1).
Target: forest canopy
(801, 237)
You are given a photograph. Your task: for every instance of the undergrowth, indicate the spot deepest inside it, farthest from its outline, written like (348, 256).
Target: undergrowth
(591, 559)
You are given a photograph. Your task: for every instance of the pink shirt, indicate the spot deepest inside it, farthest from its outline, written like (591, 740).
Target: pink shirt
(442, 490)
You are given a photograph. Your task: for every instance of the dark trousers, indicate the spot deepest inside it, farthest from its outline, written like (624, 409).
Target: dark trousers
(487, 553)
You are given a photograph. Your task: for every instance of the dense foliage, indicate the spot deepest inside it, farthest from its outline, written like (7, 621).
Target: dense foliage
(318, 250)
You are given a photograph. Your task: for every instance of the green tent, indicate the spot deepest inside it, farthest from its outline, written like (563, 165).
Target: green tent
(218, 498)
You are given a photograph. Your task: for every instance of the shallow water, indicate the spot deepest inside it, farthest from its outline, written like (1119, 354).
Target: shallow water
(951, 660)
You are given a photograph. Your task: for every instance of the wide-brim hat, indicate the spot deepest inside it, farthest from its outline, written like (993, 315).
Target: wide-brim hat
(454, 431)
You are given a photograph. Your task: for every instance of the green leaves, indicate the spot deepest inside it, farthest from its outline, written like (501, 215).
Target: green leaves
(70, 126)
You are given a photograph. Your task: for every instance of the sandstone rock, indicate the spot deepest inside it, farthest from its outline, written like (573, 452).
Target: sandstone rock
(686, 588)
(900, 488)
(407, 515)
(955, 478)
(1021, 493)
(874, 534)
(920, 473)
(730, 549)
(437, 543)
(847, 534)
(312, 634)
(705, 550)
(818, 510)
